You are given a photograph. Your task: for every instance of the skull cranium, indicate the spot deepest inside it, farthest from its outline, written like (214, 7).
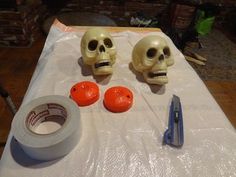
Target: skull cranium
(151, 56)
(98, 51)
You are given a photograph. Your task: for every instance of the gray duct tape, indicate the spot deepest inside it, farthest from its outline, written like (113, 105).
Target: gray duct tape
(48, 127)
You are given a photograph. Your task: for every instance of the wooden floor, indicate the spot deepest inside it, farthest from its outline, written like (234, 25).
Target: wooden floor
(17, 66)
(224, 93)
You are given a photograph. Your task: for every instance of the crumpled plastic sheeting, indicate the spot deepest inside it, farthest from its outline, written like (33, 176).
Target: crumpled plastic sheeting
(128, 144)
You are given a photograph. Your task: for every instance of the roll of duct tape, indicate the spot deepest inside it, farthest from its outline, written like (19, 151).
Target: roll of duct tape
(48, 127)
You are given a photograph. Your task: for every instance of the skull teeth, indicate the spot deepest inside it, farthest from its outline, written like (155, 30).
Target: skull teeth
(101, 64)
(151, 74)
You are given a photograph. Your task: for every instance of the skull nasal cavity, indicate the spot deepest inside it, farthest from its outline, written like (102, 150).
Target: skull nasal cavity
(161, 57)
(102, 48)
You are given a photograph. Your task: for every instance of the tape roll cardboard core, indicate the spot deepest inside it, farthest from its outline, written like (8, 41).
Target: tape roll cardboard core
(46, 118)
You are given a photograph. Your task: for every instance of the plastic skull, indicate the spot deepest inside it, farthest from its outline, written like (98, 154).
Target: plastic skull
(151, 56)
(98, 51)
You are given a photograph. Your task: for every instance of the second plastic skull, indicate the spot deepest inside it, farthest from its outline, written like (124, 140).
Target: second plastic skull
(98, 51)
(151, 56)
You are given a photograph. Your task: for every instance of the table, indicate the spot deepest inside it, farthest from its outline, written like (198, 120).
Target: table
(130, 143)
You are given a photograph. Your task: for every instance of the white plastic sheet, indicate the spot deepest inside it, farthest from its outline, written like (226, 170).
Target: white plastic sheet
(128, 144)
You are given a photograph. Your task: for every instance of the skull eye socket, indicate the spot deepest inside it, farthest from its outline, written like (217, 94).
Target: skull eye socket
(92, 45)
(108, 43)
(151, 53)
(166, 51)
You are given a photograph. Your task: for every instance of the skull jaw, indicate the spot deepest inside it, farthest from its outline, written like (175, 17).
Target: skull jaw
(104, 70)
(103, 65)
(158, 80)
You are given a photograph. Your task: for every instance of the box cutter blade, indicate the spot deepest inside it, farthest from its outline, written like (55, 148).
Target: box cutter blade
(174, 135)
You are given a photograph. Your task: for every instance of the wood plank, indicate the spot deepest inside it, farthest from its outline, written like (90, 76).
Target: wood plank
(65, 28)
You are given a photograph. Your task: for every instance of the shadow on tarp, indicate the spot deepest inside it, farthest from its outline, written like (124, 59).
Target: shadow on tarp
(24, 160)
(157, 89)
